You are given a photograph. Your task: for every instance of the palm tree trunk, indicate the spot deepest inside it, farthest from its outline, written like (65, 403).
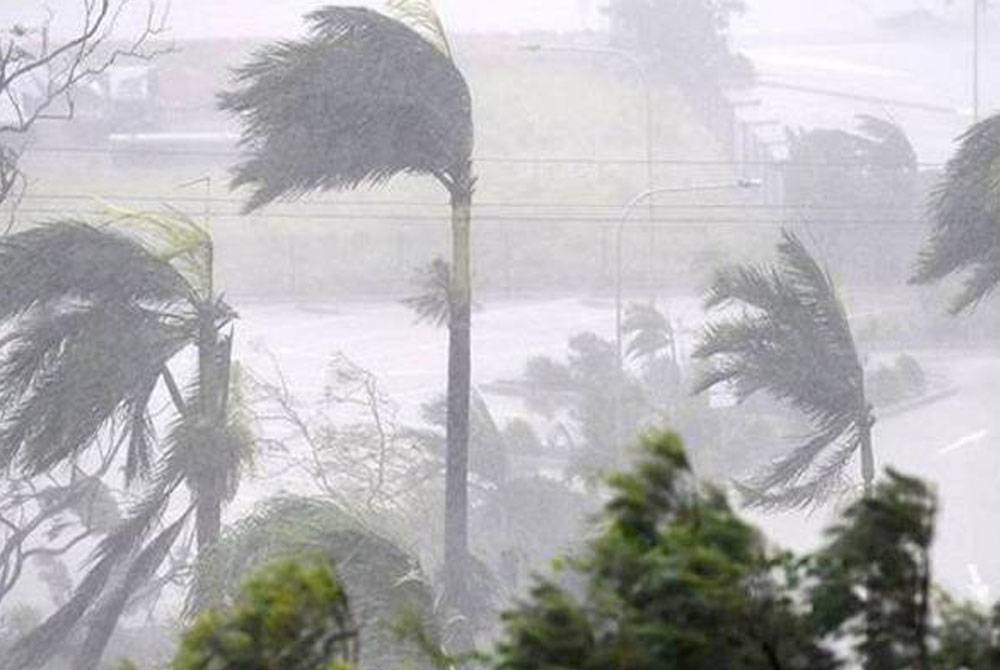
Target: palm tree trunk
(867, 456)
(872, 614)
(212, 387)
(208, 521)
(459, 382)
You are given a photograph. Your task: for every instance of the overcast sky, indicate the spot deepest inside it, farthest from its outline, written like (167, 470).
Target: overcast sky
(242, 18)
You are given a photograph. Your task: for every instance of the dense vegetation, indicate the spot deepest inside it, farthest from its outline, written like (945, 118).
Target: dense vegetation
(674, 579)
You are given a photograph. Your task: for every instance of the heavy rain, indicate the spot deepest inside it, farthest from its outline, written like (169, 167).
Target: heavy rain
(524, 335)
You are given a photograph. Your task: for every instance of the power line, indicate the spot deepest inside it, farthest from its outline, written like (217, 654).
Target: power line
(405, 220)
(516, 160)
(166, 199)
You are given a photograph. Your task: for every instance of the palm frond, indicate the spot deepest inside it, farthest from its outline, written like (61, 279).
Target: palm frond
(966, 218)
(361, 99)
(382, 579)
(211, 457)
(433, 304)
(67, 373)
(92, 316)
(139, 433)
(826, 481)
(791, 339)
(37, 647)
(173, 237)
(421, 16)
(72, 260)
(888, 145)
(142, 568)
(133, 531)
(647, 331)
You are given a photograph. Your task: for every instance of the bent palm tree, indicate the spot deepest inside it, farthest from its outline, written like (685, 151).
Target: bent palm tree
(648, 333)
(361, 99)
(966, 236)
(385, 584)
(93, 319)
(791, 338)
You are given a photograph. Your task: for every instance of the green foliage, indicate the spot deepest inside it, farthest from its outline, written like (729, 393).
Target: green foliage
(94, 316)
(648, 332)
(964, 210)
(674, 580)
(791, 339)
(966, 637)
(384, 582)
(363, 98)
(550, 631)
(421, 16)
(848, 188)
(293, 615)
(856, 170)
(872, 580)
(578, 390)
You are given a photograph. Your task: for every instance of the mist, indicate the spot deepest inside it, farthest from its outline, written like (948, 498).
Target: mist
(394, 317)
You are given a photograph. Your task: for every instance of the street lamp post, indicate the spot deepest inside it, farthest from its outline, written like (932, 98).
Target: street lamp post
(627, 209)
(742, 183)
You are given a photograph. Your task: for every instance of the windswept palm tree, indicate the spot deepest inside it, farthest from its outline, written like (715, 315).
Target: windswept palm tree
(93, 318)
(966, 213)
(648, 333)
(786, 333)
(361, 99)
(385, 584)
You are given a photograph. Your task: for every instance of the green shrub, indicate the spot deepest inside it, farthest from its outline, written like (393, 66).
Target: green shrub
(293, 615)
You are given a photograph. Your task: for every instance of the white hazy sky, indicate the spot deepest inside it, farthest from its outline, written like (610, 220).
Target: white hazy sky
(241, 18)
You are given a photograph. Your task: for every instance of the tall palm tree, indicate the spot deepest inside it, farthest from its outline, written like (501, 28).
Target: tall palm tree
(787, 334)
(966, 214)
(93, 319)
(361, 99)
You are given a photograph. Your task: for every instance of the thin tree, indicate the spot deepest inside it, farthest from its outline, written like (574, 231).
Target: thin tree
(966, 216)
(361, 99)
(94, 317)
(787, 334)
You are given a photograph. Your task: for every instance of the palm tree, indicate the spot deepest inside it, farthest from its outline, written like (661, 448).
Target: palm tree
(433, 305)
(93, 318)
(384, 582)
(787, 334)
(966, 236)
(361, 99)
(648, 332)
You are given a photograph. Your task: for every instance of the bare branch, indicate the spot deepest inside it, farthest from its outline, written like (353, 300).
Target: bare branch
(53, 71)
